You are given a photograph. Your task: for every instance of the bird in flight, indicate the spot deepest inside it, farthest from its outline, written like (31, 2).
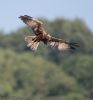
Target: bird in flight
(42, 36)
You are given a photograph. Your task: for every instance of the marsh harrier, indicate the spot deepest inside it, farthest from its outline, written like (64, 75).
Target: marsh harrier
(42, 36)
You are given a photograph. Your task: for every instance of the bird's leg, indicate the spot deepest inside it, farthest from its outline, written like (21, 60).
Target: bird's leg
(35, 39)
(38, 38)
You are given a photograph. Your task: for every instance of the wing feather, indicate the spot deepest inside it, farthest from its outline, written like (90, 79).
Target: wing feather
(34, 24)
(61, 44)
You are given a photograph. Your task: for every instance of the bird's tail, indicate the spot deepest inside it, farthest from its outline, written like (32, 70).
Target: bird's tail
(32, 42)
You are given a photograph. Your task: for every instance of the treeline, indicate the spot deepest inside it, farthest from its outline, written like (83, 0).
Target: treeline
(47, 74)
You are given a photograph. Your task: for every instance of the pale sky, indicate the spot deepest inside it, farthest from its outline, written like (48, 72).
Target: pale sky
(10, 10)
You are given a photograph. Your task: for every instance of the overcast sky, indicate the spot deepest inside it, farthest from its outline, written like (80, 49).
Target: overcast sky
(11, 9)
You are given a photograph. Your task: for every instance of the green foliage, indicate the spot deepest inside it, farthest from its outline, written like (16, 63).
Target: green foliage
(47, 74)
(73, 96)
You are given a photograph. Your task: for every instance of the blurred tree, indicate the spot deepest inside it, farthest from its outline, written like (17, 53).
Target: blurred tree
(47, 73)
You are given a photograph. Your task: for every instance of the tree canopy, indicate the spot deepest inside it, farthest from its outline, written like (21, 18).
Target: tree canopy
(47, 74)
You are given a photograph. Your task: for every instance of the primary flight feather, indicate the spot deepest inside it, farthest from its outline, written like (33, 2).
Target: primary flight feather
(42, 36)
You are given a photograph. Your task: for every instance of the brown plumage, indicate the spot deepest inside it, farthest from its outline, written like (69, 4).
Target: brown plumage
(43, 36)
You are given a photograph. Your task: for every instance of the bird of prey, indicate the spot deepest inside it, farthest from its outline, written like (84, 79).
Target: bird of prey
(42, 36)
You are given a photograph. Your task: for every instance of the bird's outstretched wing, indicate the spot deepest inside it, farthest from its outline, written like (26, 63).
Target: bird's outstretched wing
(61, 44)
(34, 24)
(33, 41)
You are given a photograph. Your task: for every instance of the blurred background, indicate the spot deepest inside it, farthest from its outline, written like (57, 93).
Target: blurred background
(46, 74)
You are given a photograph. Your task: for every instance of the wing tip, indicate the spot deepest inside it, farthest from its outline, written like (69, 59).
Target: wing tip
(73, 46)
(25, 17)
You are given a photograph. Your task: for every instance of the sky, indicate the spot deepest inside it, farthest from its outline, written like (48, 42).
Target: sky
(10, 10)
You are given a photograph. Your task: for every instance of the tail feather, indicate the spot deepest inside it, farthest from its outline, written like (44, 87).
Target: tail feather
(34, 46)
(31, 43)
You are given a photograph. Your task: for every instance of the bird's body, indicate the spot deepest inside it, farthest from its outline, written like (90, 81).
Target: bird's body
(43, 36)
